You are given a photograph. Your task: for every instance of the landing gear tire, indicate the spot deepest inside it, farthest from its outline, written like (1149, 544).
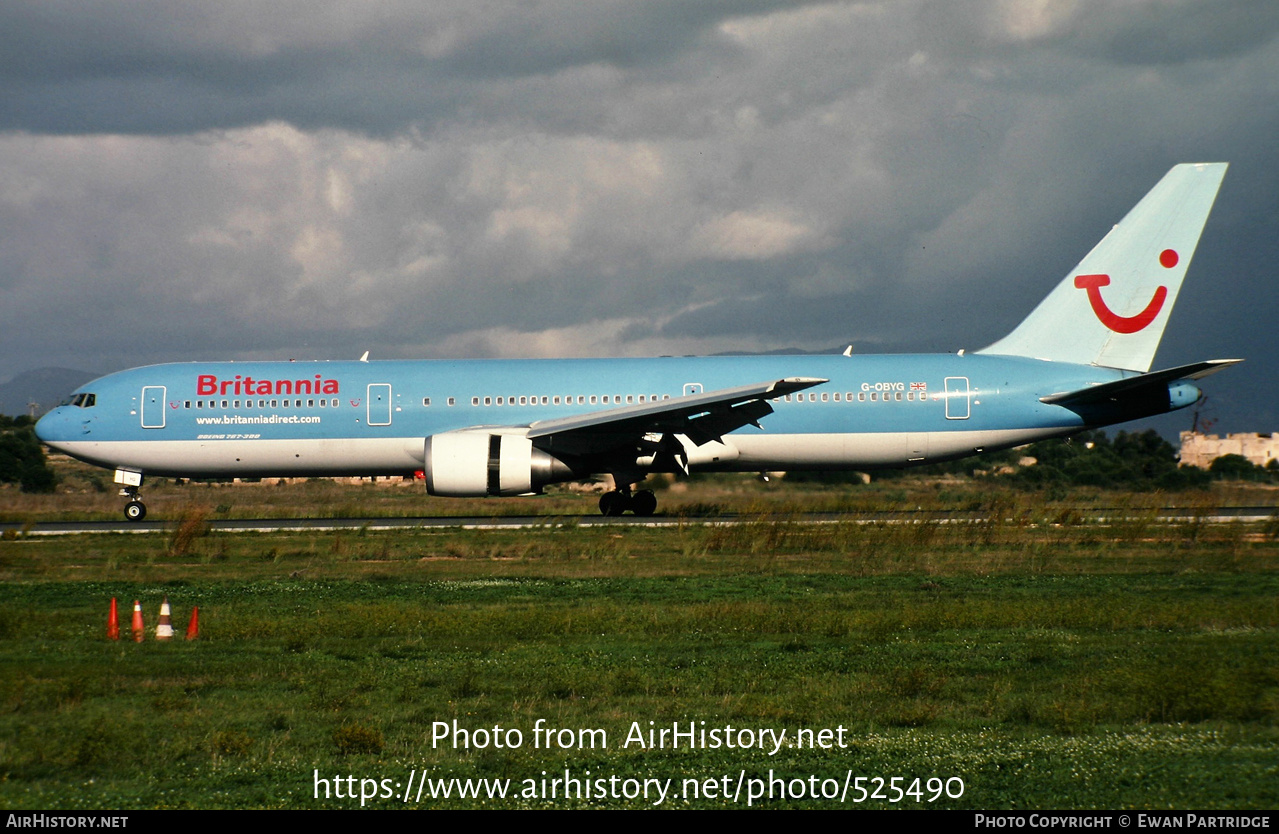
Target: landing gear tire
(644, 503)
(616, 502)
(135, 511)
(613, 503)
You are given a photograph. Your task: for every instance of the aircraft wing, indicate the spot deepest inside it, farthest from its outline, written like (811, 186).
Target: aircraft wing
(701, 417)
(1108, 391)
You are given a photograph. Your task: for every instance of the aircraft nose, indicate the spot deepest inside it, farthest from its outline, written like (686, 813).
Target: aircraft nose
(43, 427)
(53, 427)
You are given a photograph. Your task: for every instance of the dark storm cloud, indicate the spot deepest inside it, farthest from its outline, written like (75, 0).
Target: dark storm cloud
(377, 67)
(1172, 33)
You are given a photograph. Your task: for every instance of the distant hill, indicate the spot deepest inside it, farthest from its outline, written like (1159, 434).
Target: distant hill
(790, 351)
(44, 386)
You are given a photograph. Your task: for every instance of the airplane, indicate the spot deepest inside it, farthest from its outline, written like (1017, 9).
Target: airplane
(1080, 360)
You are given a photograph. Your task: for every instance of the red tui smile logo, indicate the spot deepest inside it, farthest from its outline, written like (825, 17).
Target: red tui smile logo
(1125, 324)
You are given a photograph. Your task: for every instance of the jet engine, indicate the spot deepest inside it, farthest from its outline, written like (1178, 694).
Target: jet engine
(480, 462)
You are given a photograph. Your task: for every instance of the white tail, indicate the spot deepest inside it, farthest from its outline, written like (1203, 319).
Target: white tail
(1112, 308)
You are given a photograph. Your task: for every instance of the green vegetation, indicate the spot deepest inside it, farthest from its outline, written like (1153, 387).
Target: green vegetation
(1141, 461)
(22, 457)
(1132, 461)
(1239, 468)
(1045, 660)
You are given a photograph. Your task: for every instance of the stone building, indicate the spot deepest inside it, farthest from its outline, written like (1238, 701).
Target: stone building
(1202, 449)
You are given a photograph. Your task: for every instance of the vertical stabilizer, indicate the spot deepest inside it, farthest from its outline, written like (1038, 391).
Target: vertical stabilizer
(1112, 308)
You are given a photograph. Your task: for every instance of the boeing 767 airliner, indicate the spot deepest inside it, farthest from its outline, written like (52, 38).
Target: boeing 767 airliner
(1080, 360)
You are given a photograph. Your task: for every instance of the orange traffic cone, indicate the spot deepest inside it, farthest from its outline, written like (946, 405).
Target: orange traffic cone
(193, 627)
(113, 622)
(164, 629)
(138, 628)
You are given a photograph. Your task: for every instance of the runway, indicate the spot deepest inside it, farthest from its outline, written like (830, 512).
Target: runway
(1091, 515)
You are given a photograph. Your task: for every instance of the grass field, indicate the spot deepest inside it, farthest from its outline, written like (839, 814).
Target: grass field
(1042, 660)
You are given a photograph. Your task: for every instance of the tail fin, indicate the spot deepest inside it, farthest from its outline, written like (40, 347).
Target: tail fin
(1112, 308)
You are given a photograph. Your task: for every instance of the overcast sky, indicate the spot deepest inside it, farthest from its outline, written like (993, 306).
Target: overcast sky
(233, 180)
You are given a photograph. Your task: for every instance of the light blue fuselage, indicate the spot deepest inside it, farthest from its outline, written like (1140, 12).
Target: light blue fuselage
(247, 419)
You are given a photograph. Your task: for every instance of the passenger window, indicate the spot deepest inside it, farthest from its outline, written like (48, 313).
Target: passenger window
(452, 401)
(592, 399)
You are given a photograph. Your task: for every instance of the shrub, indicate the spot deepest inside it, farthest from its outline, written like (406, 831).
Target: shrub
(352, 739)
(22, 457)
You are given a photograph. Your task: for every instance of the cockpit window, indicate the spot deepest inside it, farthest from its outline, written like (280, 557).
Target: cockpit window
(84, 400)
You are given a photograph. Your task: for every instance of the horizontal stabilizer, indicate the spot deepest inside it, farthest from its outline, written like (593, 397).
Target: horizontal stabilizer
(1109, 391)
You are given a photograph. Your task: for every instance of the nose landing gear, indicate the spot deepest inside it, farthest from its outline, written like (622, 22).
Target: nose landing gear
(130, 483)
(135, 510)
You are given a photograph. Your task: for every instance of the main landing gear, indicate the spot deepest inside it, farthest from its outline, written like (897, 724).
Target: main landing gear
(642, 503)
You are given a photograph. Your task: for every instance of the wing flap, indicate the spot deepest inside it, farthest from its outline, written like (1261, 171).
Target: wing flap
(702, 417)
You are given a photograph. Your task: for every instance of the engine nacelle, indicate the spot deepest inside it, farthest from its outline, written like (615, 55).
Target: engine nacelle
(464, 464)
